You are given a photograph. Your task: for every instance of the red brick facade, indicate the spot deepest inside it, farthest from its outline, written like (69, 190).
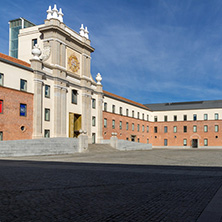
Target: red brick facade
(171, 138)
(14, 126)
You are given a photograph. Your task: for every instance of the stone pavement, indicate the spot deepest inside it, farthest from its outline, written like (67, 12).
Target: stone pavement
(109, 185)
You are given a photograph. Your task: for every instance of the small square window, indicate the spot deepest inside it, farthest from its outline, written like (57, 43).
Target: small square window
(47, 91)
(74, 96)
(47, 133)
(1, 79)
(93, 103)
(47, 114)
(93, 121)
(1, 106)
(23, 110)
(23, 85)
(1, 135)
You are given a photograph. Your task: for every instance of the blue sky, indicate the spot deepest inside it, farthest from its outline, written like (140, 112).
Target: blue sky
(150, 51)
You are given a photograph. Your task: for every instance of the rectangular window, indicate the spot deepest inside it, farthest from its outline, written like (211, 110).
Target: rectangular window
(185, 142)
(155, 129)
(1, 135)
(105, 123)
(34, 42)
(184, 117)
(138, 127)
(174, 129)
(1, 79)
(113, 108)
(93, 103)
(147, 129)
(1, 106)
(155, 118)
(105, 107)
(216, 128)
(47, 91)
(74, 96)
(216, 116)
(142, 128)
(132, 126)
(120, 124)
(165, 118)
(205, 128)
(147, 117)
(47, 114)
(165, 142)
(185, 129)
(93, 121)
(205, 142)
(127, 125)
(113, 124)
(23, 109)
(165, 129)
(138, 115)
(120, 110)
(175, 118)
(23, 85)
(47, 133)
(127, 112)
(147, 141)
(93, 138)
(205, 117)
(133, 114)
(143, 116)
(194, 117)
(194, 129)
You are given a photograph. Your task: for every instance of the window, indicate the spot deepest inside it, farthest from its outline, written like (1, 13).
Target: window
(47, 91)
(127, 112)
(1, 106)
(147, 141)
(138, 115)
(205, 128)
(47, 114)
(165, 142)
(93, 121)
(175, 118)
(138, 127)
(143, 116)
(127, 125)
(127, 138)
(194, 117)
(113, 108)
(184, 117)
(216, 116)
(1, 135)
(155, 118)
(216, 128)
(120, 124)
(23, 109)
(142, 128)
(165, 118)
(205, 117)
(205, 142)
(93, 103)
(147, 129)
(147, 117)
(133, 114)
(34, 42)
(185, 142)
(174, 129)
(113, 124)
(23, 85)
(155, 129)
(120, 110)
(194, 129)
(165, 129)
(47, 133)
(105, 123)
(138, 140)
(93, 138)
(132, 126)
(1, 79)
(185, 129)
(74, 96)
(105, 106)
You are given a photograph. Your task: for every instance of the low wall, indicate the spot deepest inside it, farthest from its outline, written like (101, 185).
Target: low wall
(45, 146)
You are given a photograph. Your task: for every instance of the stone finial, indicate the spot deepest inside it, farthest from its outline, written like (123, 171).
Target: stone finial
(36, 52)
(55, 12)
(86, 33)
(81, 32)
(49, 13)
(60, 18)
(98, 79)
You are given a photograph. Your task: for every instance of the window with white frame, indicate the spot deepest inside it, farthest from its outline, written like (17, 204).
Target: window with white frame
(120, 110)
(47, 114)
(216, 116)
(127, 112)
(23, 85)
(143, 116)
(105, 107)
(175, 118)
(194, 117)
(165, 118)
(147, 117)
(47, 91)
(205, 116)
(93, 121)
(1, 79)
(113, 108)
(74, 96)
(93, 103)
(133, 113)
(46, 133)
(138, 115)
(155, 118)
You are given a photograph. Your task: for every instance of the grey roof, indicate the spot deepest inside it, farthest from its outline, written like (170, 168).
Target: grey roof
(209, 104)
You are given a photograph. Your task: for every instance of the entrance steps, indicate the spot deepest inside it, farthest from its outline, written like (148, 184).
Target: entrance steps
(101, 148)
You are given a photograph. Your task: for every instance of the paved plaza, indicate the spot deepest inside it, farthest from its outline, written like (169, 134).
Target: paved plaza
(103, 184)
